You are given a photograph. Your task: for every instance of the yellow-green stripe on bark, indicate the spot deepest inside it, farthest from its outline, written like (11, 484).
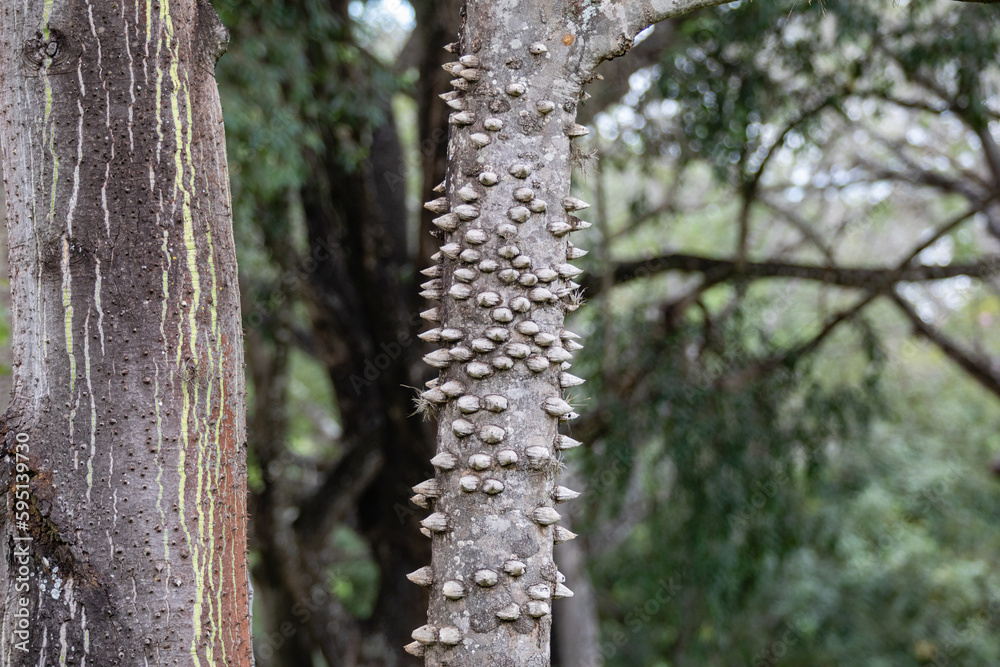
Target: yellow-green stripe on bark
(136, 420)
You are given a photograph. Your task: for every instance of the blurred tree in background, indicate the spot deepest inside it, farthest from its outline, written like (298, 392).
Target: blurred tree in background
(329, 305)
(793, 356)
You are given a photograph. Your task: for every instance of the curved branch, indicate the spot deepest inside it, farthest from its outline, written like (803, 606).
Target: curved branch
(724, 269)
(803, 227)
(612, 30)
(616, 73)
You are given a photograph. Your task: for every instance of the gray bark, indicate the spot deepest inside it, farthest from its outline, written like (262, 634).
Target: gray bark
(5, 353)
(576, 626)
(577, 629)
(504, 283)
(123, 469)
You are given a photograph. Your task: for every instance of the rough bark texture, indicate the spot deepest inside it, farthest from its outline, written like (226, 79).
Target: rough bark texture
(501, 317)
(505, 283)
(124, 467)
(5, 354)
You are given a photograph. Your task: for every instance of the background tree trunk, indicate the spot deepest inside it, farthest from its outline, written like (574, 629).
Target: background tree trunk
(577, 641)
(126, 432)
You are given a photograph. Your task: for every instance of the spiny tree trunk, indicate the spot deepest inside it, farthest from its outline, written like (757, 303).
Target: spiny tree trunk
(504, 282)
(124, 470)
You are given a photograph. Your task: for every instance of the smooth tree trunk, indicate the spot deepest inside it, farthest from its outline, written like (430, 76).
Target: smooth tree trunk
(504, 282)
(576, 628)
(124, 472)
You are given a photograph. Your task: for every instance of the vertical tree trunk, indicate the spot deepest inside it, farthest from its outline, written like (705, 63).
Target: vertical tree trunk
(5, 354)
(576, 627)
(504, 281)
(437, 24)
(505, 284)
(124, 475)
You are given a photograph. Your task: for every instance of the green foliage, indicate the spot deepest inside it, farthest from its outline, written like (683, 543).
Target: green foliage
(355, 577)
(748, 64)
(837, 509)
(296, 87)
(727, 479)
(802, 519)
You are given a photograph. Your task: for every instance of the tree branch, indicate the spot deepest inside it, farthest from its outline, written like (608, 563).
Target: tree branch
(655, 11)
(617, 72)
(803, 227)
(717, 270)
(720, 270)
(975, 365)
(611, 32)
(744, 377)
(767, 365)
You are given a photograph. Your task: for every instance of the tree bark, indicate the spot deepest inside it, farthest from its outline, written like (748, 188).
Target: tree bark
(577, 628)
(492, 568)
(5, 354)
(505, 283)
(124, 470)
